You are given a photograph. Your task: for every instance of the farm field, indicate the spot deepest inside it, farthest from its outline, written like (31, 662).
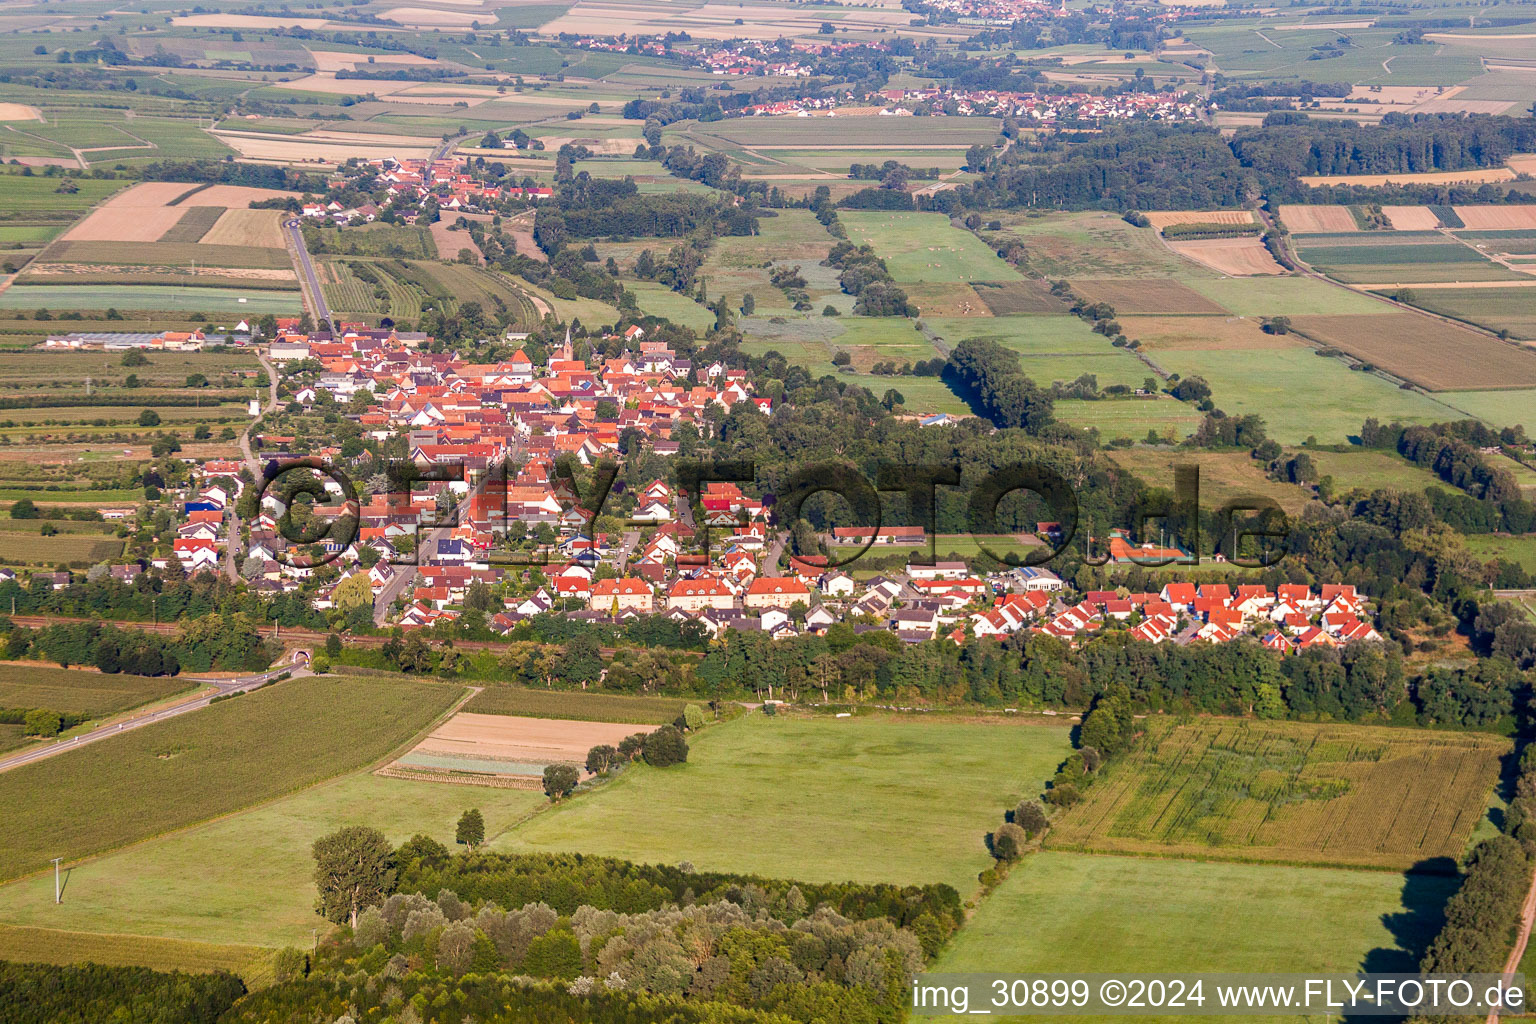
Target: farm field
(1145, 296)
(1498, 408)
(1238, 257)
(1495, 309)
(1309, 219)
(153, 780)
(1092, 245)
(776, 812)
(1272, 382)
(1282, 296)
(88, 693)
(1429, 352)
(1369, 470)
(72, 549)
(1217, 333)
(506, 749)
(54, 946)
(41, 195)
(1172, 420)
(581, 707)
(246, 879)
(924, 247)
(662, 301)
(920, 395)
(1224, 476)
(1064, 912)
(1052, 347)
(1289, 792)
(1520, 550)
(150, 297)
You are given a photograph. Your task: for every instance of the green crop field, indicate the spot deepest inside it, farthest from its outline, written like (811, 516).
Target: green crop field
(573, 705)
(88, 693)
(925, 247)
(1369, 470)
(1497, 309)
(1224, 476)
(210, 762)
(51, 946)
(1498, 408)
(1283, 296)
(659, 300)
(40, 194)
(1520, 550)
(1272, 383)
(23, 550)
(1289, 792)
(920, 395)
(247, 878)
(1070, 913)
(1172, 420)
(1069, 245)
(866, 806)
(149, 297)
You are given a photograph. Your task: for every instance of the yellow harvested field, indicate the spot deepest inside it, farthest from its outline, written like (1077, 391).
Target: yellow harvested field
(1162, 218)
(289, 149)
(427, 17)
(330, 60)
(257, 229)
(249, 21)
(1522, 163)
(449, 242)
(1479, 36)
(1498, 218)
(1431, 178)
(19, 112)
(1304, 220)
(379, 138)
(1411, 218)
(137, 215)
(1239, 257)
(237, 197)
(717, 20)
(326, 81)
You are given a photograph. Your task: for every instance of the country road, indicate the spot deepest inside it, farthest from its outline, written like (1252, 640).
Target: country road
(307, 271)
(200, 699)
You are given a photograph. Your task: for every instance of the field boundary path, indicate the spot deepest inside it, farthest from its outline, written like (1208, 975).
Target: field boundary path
(1527, 917)
(201, 699)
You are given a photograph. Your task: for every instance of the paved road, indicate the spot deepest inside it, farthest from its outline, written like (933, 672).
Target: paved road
(232, 548)
(201, 699)
(307, 269)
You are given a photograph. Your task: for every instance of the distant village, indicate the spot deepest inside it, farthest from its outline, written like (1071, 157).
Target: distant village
(532, 416)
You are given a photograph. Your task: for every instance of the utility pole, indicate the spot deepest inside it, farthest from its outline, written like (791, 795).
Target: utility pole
(58, 892)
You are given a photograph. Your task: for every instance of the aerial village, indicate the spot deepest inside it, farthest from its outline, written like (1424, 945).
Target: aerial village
(717, 558)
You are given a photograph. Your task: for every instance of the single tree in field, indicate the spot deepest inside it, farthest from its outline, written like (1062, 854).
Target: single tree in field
(471, 831)
(1030, 816)
(600, 758)
(354, 870)
(1008, 842)
(559, 780)
(665, 747)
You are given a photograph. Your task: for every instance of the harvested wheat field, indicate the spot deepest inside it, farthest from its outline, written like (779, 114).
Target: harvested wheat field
(428, 17)
(19, 112)
(258, 229)
(1411, 218)
(507, 749)
(449, 241)
(1428, 178)
(1239, 257)
(1162, 218)
(1522, 163)
(1312, 220)
(138, 215)
(1497, 218)
(1426, 350)
(288, 149)
(326, 81)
